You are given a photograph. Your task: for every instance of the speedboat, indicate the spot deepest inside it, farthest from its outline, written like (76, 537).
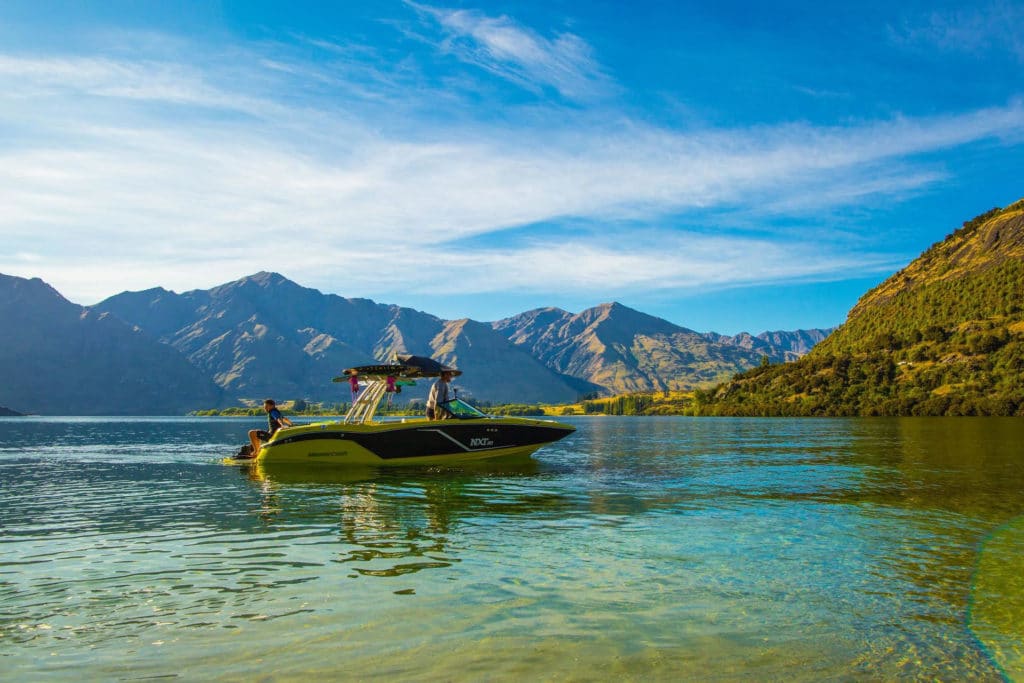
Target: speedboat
(465, 434)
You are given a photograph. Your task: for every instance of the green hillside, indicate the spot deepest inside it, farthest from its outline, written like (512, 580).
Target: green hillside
(944, 336)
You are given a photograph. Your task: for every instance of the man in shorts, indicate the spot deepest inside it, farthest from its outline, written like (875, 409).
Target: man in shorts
(275, 420)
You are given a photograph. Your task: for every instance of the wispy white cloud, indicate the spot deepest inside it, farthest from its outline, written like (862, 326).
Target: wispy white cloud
(650, 261)
(134, 173)
(974, 28)
(104, 77)
(519, 54)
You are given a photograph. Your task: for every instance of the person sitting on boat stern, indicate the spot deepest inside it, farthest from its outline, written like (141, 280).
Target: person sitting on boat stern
(275, 420)
(437, 402)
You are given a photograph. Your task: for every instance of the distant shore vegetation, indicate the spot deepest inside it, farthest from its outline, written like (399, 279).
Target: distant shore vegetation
(302, 407)
(297, 407)
(666, 403)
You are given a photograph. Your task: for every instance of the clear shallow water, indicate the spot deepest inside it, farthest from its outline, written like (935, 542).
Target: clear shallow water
(638, 548)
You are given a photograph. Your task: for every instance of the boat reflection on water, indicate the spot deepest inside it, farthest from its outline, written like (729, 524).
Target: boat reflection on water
(392, 522)
(316, 476)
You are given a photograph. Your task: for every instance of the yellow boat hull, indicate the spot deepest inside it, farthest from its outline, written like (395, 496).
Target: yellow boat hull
(411, 442)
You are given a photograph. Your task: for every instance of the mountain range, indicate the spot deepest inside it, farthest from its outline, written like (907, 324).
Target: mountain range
(623, 350)
(161, 352)
(59, 358)
(943, 336)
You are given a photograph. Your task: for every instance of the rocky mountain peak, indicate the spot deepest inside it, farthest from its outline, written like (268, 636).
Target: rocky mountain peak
(21, 293)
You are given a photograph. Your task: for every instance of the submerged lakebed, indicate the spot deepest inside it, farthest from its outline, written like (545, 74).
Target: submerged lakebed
(638, 548)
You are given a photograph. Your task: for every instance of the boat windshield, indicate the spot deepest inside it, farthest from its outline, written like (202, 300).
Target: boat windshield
(462, 410)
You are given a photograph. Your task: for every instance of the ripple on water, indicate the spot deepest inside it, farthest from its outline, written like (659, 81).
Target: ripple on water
(997, 598)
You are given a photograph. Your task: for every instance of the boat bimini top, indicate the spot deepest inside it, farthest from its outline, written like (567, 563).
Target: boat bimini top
(404, 367)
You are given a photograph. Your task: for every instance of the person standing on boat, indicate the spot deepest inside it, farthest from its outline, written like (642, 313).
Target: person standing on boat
(275, 420)
(353, 382)
(437, 402)
(390, 388)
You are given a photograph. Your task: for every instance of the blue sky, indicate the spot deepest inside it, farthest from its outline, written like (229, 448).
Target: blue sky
(728, 166)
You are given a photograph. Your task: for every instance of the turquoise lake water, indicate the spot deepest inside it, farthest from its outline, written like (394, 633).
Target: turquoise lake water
(637, 549)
